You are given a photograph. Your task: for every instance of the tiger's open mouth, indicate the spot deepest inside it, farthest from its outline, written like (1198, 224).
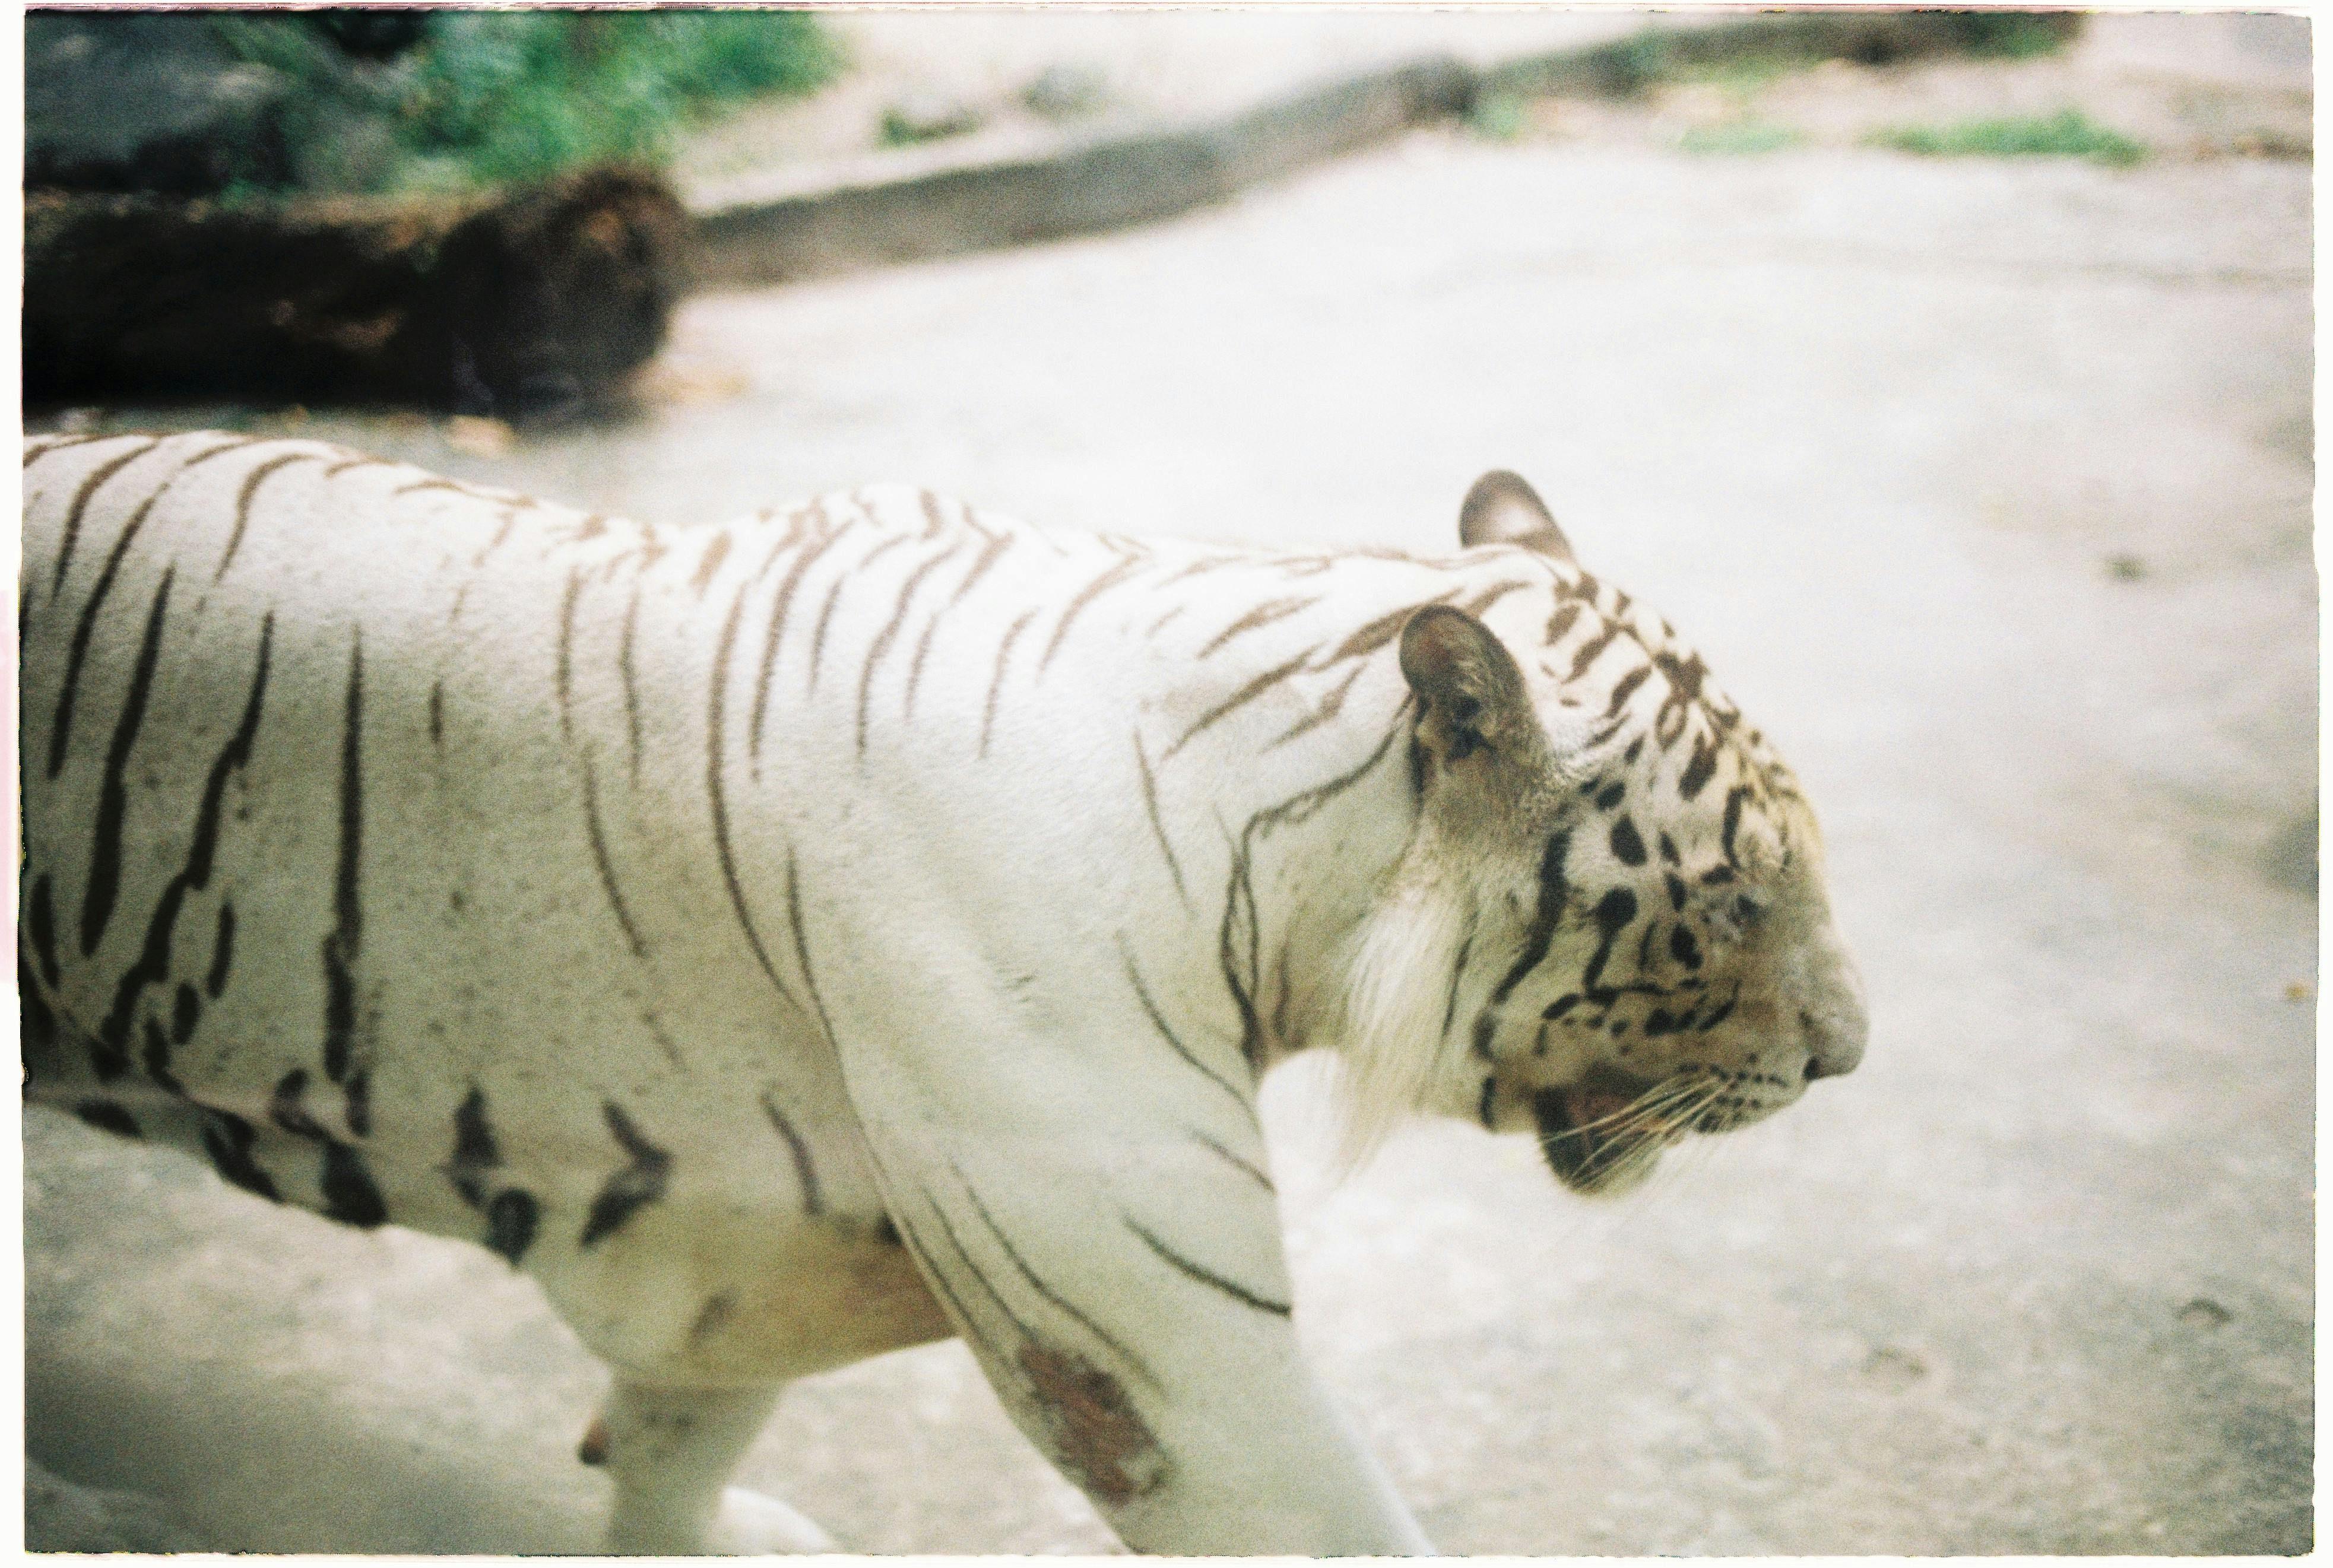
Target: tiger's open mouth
(1605, 1132)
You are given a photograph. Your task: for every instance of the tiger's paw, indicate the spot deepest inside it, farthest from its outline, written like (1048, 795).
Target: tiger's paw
(750, 1524)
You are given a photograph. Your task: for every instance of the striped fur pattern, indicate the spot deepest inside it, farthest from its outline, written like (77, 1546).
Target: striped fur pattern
(867, 923)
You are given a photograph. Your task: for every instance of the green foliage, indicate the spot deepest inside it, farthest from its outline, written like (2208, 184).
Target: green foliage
(1741, 137)
(490, 96)
(2015, 34)
(2066, 134)
(1498, 116)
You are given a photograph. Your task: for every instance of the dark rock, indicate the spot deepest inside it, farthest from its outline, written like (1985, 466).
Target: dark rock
(537, 302)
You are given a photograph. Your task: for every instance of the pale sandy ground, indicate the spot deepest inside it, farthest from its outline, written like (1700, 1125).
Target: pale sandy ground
(1985, 488)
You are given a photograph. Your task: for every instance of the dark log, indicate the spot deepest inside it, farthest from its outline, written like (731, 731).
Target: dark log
(531, 303)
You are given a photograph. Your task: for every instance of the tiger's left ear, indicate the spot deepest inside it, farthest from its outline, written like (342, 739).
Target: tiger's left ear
(1501, 508)
(1470, 697)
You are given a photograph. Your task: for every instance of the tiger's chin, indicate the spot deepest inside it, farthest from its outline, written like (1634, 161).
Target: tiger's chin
(1603, 1135)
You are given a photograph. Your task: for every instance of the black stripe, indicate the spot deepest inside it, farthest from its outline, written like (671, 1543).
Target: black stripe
(716, 793)
(349, 1195)
(343, 941)
(714, 554)
(1625, 687)
(995, 547)
(882, 643)
(997, 682)
(108, 1117)
(1237, 1293)
(113, 798)
(227, 1140)
(60, 729)
(358, 1109)
(1554, 892)
(599, 841)
(1242, 698)
(1232, 1158)
(1086, 596)
(1158, 1022)
(1330, 706)
(158, 1059)
(475, 1150)
(511, 1219)
(566, 665)
(802, 944)
(1377, 633)
(788, 585)
(1734, 800)
(1263, 615)
(631, 1189)
(97, 476)
(287, 1107)
(630, 673)
(813, 1202)
(1132, 1361)
(153, 963)
(243, 503)
(1027, 1335)
(1158, 826)
(843, 580)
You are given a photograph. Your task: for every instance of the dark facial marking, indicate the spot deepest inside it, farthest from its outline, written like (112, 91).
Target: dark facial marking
(1612, 795)
(1625, 687)
(1668, 851)
(1683, 949)
(1698, 768)
(185, 1012)
(1734, 800)
(1626, 846)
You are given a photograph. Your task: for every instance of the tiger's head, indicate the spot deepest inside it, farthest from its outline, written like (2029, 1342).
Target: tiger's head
(1609, 926)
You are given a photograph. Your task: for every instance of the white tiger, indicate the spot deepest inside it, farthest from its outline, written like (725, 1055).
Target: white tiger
(867, 923)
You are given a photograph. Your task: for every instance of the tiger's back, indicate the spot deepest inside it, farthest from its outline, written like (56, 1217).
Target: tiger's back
(339, 879)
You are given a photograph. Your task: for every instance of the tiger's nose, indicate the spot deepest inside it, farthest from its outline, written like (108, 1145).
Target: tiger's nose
(1836, 1030)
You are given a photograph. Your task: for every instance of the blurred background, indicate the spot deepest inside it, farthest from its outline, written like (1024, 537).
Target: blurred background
(1946, 379)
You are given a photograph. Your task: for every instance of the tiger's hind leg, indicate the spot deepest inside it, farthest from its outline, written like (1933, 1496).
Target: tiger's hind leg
(670, 1452)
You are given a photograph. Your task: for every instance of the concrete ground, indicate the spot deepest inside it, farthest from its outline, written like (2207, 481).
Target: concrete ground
(1983, 485)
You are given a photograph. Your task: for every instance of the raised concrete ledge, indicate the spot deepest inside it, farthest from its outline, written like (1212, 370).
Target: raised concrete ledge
(1086, 187)
(798, 224)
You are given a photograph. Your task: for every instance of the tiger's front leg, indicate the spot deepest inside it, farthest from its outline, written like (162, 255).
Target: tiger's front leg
(670, 1452)
(1094, 1210)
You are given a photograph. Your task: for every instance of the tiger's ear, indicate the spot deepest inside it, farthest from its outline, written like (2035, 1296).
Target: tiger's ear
(1470, 695)
(1501, 508)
